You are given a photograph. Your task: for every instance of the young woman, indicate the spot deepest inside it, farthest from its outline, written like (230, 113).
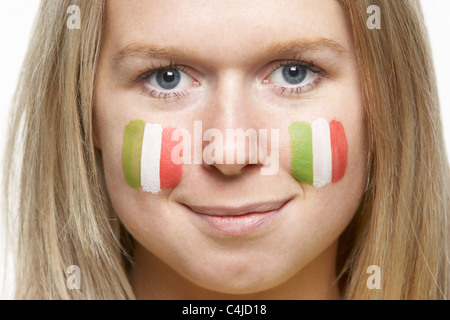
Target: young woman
(350, 200)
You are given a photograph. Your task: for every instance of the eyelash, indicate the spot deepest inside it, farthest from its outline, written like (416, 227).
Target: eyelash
(294, 90)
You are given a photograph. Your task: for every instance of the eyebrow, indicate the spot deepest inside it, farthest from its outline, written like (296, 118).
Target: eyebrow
(298, 46)
(291, 47)
(147, 50)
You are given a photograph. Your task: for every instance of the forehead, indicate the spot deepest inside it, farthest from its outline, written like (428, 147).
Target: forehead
(226, 29)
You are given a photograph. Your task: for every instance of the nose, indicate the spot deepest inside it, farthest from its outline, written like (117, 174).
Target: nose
(231, 140)
(229, 170)
(239, 150)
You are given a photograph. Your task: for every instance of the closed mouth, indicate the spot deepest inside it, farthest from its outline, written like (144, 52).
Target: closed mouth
(239, 220)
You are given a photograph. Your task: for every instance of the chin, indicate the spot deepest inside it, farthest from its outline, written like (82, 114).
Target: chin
(241, 279)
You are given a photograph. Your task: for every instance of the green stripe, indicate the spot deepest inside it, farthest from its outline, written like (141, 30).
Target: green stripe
(302, 152)
(133, 136)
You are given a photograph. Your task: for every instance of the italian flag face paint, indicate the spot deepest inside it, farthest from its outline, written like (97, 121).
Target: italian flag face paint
(319, 152)
(146, 157)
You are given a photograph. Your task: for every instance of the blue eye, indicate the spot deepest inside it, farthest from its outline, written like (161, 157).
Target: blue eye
(169, 79)
(294, 74)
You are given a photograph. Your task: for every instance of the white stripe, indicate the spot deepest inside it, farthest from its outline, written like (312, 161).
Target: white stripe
(322, 162)
(151, 157)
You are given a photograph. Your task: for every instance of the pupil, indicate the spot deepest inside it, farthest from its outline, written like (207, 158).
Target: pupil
(293, 71)
(169, 76)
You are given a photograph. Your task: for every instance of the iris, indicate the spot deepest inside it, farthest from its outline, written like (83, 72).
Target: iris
(168, 78)
(294, 74)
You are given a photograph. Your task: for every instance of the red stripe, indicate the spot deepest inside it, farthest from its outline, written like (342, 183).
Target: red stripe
(339, 149)
(170, 173)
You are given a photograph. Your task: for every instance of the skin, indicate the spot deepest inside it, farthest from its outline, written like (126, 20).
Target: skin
(226, 49)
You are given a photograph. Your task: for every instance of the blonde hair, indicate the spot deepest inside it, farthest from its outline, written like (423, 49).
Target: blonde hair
(64, 216)
(402, 223)
(56, 195)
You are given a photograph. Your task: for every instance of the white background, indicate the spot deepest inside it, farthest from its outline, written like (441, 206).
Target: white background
(16, 20)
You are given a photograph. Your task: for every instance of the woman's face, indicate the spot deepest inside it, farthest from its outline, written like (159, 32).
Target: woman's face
(271, 66)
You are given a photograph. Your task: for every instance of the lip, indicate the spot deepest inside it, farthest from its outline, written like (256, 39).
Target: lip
(240, 220)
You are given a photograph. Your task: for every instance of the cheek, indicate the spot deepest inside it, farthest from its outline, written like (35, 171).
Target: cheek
(147, 157)
(318, 152)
